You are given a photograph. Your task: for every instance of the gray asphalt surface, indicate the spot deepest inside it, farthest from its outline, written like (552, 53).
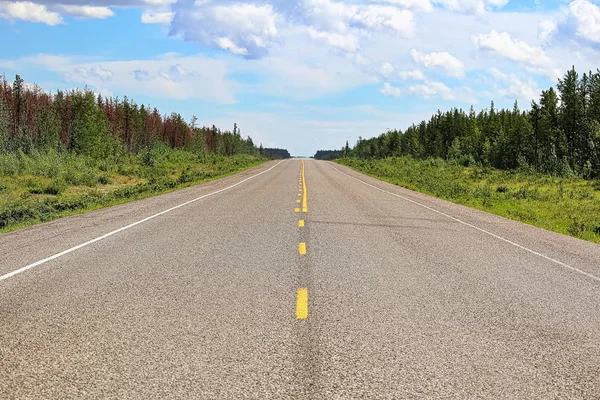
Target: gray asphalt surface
(404, 302)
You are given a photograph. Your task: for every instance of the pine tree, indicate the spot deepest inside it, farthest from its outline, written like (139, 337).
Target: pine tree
(18, 100)
(594, 88)
(571, 117)
(48, 128)
(91, 134)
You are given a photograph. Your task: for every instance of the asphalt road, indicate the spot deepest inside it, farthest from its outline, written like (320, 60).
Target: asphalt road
(383, 293)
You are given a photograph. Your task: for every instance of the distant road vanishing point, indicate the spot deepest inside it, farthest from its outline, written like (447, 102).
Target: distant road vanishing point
(297, 279)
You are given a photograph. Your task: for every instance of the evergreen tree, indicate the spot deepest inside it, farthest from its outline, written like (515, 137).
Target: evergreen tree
(18, 100)
(100, 127)
(91, 135)
(572, 114)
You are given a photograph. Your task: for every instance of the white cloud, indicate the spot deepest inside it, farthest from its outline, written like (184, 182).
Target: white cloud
(347, 42)
(7, 64)
(303, 80)
(85, 11)
(517, 88)
(160, 2)
(170, 77)
(101, 73)
(157, 18)
(389, 90)
(431, 89)
(339, 17)
(142, 75)
(444, 61)
(513, 49)
(385, 18)
(587, 16)
(252, 29)
(227, 44)
(414, 5)
(387, 69)
(49, 61)
(174, 76)
(471, 6)
(359, 60)
(176, 73)
(247, 18)
(28, 11)
(580, 20)
(546, 28)
(85, 72)
(413, 74)
(341, 24)
(245, 26)
(327, 15)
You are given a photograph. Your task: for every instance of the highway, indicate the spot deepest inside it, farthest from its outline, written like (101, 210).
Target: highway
(298, 279)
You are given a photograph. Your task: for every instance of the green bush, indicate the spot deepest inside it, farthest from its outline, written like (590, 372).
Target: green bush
(185, 176)
(55, 188)
(26, 175)
(543, 200)
(577, 226)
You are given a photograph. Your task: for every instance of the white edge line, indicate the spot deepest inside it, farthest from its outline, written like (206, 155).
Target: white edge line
(72, 249)
(594, 277)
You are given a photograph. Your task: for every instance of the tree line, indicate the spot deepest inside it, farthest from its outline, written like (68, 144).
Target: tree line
(328, 154)
(97, 126)
(276, 153)
(559, 135)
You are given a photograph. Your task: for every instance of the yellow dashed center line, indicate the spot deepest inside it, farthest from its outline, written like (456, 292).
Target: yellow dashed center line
(302, 298)
(304, 200)
(302, 248)
(302, 304)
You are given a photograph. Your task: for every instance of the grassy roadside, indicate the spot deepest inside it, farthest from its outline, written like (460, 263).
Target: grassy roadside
(43, 186)
(570, 206)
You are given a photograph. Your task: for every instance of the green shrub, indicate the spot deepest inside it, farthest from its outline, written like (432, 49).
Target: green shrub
(34, 186)
(58, 186)
(522, 193)
(528, 196)
(484, 191)
(582, 194)
(82, 177)
(577, 226)
(185, 176)
(69, 169)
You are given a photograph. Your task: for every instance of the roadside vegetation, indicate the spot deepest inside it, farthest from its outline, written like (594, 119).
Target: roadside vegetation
(568, 205)
(540, 166)
(70, 152)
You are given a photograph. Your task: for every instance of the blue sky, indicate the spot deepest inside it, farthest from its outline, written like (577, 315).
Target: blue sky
(303, 75)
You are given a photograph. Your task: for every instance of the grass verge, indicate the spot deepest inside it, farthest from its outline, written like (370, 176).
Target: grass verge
(43, 186)
(570, 206)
